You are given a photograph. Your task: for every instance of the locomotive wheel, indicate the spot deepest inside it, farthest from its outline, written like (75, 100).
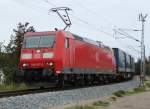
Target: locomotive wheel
(104, 79)
(61, 81)
(93, 79)
(82, 80)
(86, 82)
(74, 82)
(18, 80)
(110, 78)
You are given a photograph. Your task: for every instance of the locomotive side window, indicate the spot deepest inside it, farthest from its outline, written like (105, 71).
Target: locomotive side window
(67, 42)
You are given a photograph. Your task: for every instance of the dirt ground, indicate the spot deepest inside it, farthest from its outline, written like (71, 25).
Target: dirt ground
(137, 101)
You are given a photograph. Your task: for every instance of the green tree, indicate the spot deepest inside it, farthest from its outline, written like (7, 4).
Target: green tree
(147, 65)
(16, 40)
(10, 59)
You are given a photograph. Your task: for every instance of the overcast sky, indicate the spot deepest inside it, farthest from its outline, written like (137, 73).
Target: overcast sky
(94, 19)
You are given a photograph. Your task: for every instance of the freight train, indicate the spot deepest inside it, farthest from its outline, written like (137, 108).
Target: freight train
(59, 56)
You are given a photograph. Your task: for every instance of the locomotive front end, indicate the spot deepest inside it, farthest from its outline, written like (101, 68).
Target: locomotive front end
(38, 59)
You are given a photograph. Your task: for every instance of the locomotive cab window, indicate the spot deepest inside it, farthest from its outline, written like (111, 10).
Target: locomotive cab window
(47, 41)
(67, 42)
(39, 41)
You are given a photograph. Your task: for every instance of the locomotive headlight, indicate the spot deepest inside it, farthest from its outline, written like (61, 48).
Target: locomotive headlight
(50, 63)
(48, 55)
(26, 56)
(25, 64)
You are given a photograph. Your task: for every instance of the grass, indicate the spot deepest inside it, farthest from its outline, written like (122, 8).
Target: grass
(148, 85)
(113, 98)
(119, 93)
(101, 103)
(82, 107)
(139, 89)
(122, 93)
(130, 92)
(12, 87)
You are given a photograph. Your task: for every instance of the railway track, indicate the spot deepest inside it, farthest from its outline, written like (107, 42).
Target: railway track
(59, 98)
(34, 91)
(48, 89)
(25, 92)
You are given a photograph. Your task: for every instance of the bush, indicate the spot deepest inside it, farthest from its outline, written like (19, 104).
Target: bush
(148, 85)
(130, 92)
(8, 64)
(120, 93)
(113, 98)
(139, 89)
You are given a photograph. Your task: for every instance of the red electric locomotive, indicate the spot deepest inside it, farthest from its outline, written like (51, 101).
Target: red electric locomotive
(62, 56)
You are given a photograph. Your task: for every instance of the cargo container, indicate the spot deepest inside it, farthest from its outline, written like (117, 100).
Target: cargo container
(120, 60)
(132, 65)
(127, 62)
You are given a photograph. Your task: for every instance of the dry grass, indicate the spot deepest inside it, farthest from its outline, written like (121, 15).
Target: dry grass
(12, 87)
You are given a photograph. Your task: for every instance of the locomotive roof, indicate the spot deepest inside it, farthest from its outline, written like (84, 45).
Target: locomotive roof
(84, 39)
(87, 40)
(39, 33)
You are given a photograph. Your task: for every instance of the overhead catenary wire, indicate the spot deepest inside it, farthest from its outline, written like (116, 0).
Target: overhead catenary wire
(122, 32)
(35, 9)
(88, 26)
(50, 3)
(114, 26)
(129, 36)
(77, 18)
(92, 26)
(94, 13)
(83, 21)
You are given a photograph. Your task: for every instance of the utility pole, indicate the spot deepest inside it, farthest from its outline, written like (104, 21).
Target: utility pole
(120, 31)
(142, 75)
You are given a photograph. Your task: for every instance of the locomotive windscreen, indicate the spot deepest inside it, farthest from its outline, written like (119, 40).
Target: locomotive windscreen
(39, 41)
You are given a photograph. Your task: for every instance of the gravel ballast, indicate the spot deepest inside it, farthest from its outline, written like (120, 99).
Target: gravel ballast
(50, 99)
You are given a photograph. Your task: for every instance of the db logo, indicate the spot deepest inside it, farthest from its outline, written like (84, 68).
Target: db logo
(37, 55)
(38, 51)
